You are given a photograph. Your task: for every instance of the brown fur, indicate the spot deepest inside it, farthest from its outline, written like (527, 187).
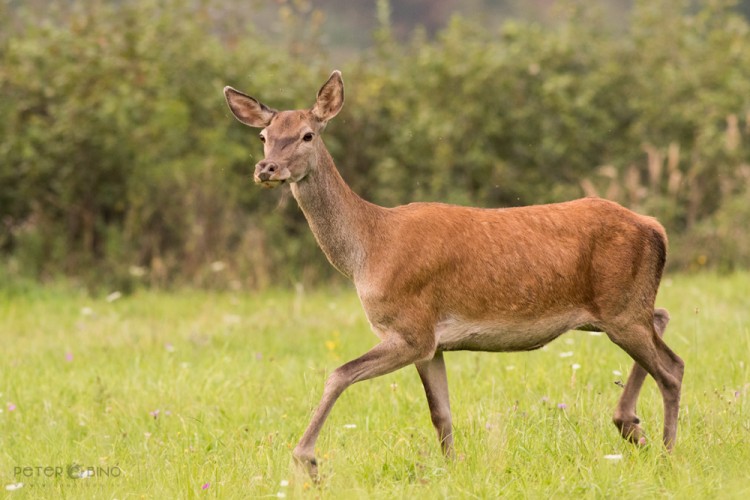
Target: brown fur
(435, 277)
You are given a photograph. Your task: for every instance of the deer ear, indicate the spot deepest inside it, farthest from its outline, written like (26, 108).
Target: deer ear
(330, 98)
(248, 110)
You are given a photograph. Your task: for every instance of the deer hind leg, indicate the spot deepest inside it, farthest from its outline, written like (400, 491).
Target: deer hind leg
(625, 415)
(645, 345)
(381, 359)
(435, 382)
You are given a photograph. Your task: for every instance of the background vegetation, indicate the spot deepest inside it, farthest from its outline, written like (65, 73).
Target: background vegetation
(120, 165)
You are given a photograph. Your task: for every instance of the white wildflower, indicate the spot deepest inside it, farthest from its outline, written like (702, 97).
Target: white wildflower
(137, 271)
(232, 319)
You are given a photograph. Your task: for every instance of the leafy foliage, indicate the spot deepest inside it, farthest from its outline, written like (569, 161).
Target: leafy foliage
(119, 158)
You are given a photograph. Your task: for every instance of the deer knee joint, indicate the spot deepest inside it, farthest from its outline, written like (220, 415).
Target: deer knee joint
(336, 382)
(441, 417)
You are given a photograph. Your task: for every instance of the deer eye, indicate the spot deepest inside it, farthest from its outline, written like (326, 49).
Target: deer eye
(262, 138)
(307, 137)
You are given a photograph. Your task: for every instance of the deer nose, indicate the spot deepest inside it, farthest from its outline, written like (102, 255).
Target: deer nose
(265, 169)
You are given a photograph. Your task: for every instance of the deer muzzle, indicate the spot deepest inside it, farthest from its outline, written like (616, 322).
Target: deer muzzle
(270, 174)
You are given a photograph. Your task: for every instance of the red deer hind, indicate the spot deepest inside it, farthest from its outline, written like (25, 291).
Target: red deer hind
(434, 277)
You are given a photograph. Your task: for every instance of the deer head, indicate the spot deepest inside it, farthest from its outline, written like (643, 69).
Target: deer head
(290, 139)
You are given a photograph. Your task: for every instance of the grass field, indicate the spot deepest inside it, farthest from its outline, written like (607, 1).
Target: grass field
(194, 394)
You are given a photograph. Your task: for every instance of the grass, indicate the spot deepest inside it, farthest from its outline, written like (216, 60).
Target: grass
(196, 394)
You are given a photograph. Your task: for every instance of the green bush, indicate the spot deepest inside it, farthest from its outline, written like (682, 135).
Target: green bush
(118, 150)
(121, 165)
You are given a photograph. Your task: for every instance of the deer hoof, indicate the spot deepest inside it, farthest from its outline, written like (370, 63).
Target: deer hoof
(309, 463)
(631, 431)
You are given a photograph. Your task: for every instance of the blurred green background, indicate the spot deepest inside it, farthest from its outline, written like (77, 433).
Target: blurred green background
(120, 165)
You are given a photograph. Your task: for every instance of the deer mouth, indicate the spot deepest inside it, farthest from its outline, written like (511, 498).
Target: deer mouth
(270, 180)
(270, 184)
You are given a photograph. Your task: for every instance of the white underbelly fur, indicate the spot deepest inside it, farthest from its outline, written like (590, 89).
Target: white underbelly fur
(457, 334)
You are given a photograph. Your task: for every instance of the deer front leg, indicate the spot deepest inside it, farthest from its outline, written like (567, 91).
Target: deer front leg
(383, 358)
(625, 418)
(435, 382)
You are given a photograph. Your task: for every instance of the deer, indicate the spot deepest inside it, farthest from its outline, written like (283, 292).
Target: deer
(434, 277)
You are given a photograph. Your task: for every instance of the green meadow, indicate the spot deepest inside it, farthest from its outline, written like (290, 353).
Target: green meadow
(197, 394)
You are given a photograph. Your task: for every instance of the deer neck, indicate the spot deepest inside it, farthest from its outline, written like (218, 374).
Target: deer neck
(340, 220)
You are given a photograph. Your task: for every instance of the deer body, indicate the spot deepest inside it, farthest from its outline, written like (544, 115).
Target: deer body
(495, 279)
(434, 277)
